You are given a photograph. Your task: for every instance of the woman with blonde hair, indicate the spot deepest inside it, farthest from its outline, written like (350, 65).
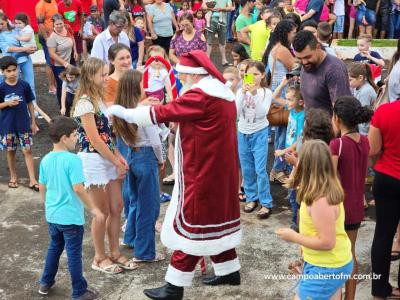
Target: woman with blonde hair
(102, 166)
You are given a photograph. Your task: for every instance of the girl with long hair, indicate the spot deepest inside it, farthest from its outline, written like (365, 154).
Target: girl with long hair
(144, 157)
(102, 166)
(253, 101)
(325, 245)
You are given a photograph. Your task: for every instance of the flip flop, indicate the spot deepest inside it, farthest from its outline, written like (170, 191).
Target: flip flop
(169, 180)
(129, 264)
(262, 214)
(34, 187)
(250, 207)
(395, 255)
(13, 184)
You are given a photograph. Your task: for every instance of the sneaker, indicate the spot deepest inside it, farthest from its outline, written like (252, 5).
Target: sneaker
(88, 295)
(164, 197)
(44, 289)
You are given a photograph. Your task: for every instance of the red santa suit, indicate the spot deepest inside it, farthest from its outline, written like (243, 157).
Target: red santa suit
(203, 217)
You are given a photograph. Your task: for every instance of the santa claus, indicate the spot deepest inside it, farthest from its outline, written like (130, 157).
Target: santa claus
(203, 218)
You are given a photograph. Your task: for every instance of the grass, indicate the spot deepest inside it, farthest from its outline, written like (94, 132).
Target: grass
(39, 45)
(375, 43)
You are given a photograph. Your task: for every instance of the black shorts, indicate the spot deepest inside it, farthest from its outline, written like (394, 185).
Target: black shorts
(349, 227)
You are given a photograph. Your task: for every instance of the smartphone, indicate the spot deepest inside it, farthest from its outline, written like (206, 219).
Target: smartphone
(248, 78)
(288, 76)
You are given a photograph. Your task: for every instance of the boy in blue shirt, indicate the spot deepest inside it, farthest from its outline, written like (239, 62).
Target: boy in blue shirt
(61, 188)
(16, 123)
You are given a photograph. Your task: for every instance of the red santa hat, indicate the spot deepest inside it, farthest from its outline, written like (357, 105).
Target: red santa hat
(197, 62)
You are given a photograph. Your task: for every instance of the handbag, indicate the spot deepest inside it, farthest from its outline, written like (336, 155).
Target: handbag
(277, 114)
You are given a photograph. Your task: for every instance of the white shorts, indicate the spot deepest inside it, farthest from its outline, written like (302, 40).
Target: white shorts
(97, 170)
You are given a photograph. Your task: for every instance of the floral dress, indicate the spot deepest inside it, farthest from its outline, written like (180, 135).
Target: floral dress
(182, 46)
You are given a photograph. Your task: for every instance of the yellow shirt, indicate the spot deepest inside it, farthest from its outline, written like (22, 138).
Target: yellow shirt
(335, 258)
(259, 36)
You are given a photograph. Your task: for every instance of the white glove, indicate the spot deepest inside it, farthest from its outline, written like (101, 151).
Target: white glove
(116, 111)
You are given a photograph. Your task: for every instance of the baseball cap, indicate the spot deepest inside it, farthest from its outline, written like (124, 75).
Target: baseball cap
(93, 8)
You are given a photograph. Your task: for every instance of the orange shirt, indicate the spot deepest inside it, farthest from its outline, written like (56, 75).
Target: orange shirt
(110, 91)
(44, 12)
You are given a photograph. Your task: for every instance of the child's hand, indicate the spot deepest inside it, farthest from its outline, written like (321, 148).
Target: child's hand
(161, 166)
(62, 111)
(364, 21)
(291, 158)
(12, 103)
(150, 101)
(279, 152)
(34, 128)
(287, 234)
(153, 36)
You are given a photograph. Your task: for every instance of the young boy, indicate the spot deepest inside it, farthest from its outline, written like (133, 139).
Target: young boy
(61, 188)
(324, 36)
(231, 75)
(16, 123)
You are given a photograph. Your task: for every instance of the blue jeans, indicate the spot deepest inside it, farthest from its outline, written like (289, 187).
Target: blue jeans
(57, 70)
(124, 150)
(253, 155)
(369, 15)
(229, 20)
(26, 68)
(69, 237)
(42, 41)
(394, 25)
(144, 202)
(279, 144)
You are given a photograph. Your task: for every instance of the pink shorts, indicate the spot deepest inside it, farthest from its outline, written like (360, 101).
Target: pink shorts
(353, 12)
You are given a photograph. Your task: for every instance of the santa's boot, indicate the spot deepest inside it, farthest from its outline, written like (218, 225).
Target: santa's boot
(231, 279)
(166, 292)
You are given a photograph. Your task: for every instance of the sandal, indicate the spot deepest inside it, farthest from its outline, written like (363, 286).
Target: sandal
(159, 257)
(242, 197)
(278, 176)
(124, 263)
(395, 294)
(264, 212)
(34, 187)
(395, 255)
(110, 269)
(169, 180)
(250, 206)
(13, 184)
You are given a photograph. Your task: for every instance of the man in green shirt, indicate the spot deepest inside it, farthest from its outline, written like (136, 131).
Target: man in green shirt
(244, 19)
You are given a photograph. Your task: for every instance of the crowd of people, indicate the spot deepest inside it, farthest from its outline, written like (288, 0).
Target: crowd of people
(133, 108)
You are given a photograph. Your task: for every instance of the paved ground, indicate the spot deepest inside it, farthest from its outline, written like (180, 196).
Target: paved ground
(23, 243)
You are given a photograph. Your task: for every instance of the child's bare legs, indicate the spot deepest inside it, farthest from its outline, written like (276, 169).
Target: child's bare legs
(30, 166)
(369, 30)
(51, 79)
(12, 166)
(361, 29)
(351, 284)
(100, 200)
(351, 28)
(113, 223)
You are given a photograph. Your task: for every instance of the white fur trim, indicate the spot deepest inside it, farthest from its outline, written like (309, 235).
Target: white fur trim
(175, 241)
(190, 70)
(213, 87)
(227, 267)
(139, 115)
(178, 278)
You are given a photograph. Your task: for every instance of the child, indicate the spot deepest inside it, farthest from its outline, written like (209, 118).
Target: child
(365, 55)
(350, 157)
(199, 21)
(325, 246)
(260, 31)
(366, 16)
(17, 124)
(70, 78)
(93, 26)
(140, 23)
(158, 81)
(339, 11)
(363, 88)
(394, 20)
(295, 103)
(144, 157)
(242, 65)
(324, 36)
(253, 101)
(352, 18)
(239, 54)
(185, 8)
(62, 191)
(138, 11)
(25, 34)
(103, 166)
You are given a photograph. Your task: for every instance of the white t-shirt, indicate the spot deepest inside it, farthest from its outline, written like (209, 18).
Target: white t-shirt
(252, 110)
(25, 31)
(338, 8)
(157, 79)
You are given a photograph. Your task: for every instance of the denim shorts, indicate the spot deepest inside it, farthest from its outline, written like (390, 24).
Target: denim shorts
(322, 283)
(339, 24)
(369, 15)
(10, 141)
